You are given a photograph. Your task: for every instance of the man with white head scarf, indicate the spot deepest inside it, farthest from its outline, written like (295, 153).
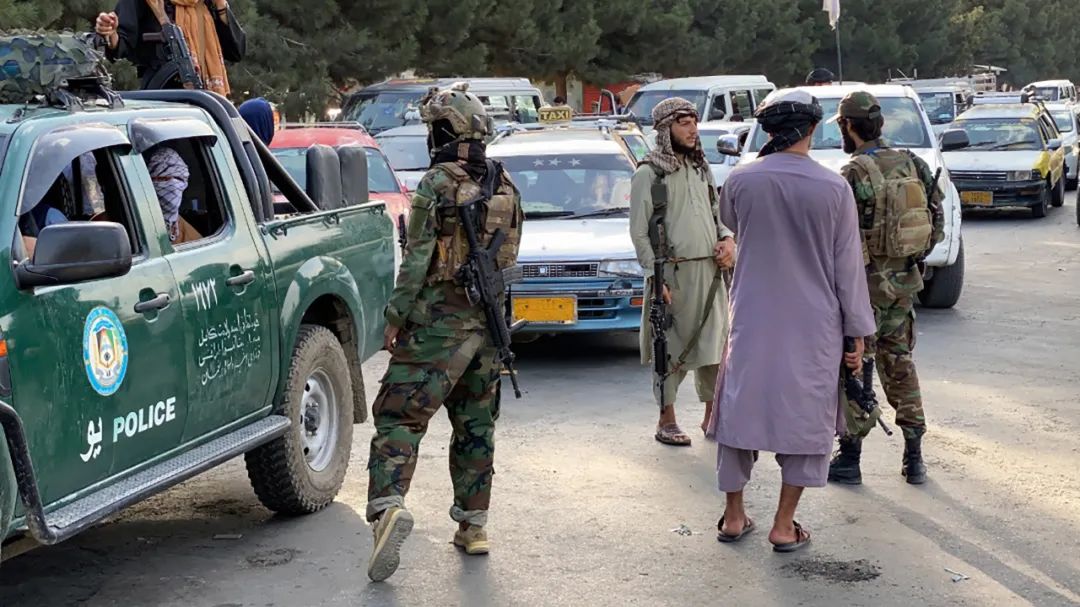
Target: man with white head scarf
(799, 288)
(170, 175)
(697, 247)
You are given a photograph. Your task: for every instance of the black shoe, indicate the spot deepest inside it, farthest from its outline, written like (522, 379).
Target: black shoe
(913, 469)
(844, 468)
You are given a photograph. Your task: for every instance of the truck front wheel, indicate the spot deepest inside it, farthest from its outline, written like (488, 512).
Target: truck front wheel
(302, 471)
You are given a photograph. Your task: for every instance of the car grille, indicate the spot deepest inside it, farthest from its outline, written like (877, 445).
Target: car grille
(597, 308)
(560, 270)
(978, 175)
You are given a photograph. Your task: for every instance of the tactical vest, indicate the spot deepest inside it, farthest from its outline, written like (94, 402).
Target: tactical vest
(902, 225)
(501, 212)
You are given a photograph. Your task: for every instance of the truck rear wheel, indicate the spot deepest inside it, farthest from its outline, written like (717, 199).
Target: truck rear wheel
(943, 289)
(302, 471)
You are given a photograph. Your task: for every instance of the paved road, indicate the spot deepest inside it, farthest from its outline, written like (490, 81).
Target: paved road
(586, 501)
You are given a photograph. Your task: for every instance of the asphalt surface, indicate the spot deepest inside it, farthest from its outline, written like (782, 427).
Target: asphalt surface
(586, 502)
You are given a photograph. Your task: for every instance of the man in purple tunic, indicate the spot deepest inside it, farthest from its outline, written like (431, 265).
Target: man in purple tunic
(799, 288)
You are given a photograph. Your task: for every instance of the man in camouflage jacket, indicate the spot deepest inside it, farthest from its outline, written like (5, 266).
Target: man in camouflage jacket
(441, 354)
(894, 282)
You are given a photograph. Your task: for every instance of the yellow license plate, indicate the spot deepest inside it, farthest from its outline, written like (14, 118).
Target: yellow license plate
(979, 199)
(546, 310)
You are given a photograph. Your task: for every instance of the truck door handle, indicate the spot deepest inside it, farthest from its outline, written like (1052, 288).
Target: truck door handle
(246, 278)
(158, 303)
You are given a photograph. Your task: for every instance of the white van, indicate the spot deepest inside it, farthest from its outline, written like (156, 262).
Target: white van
(1062, 91)
(717, 98)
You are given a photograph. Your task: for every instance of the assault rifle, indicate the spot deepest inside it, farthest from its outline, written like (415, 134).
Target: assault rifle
(659, 315)
(485, 283)
(176, 48)
(403, 233)
(861, 391)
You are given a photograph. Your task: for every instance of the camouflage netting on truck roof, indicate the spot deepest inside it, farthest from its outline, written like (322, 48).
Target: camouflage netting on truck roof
(36, 63)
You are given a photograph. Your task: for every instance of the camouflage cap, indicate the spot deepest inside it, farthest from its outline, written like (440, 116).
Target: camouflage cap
(859, 104)
(464, 111)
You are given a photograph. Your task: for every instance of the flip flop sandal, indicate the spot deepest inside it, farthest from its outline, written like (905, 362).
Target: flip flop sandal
(802, 540)
(671, 434)
(731, 539)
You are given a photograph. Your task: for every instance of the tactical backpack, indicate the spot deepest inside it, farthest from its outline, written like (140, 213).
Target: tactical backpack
(903, 224)
(501, 212)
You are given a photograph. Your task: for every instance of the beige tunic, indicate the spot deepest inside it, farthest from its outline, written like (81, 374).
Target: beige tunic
(691, 227)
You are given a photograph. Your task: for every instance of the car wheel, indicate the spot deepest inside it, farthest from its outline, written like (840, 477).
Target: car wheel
(1071, 183)
(1058, 197)
(302, 471)
(1043, 206)
(943, 289)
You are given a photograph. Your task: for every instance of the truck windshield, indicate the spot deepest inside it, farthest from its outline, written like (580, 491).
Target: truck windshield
(564, 185)
(940, 107)
(644, 101)
(708, 143)
(1063, 119)
(381, 111)
(904, 127)
(406, 152)
(1004, 134)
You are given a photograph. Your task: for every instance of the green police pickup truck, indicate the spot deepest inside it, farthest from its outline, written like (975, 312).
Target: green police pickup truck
(134, 356)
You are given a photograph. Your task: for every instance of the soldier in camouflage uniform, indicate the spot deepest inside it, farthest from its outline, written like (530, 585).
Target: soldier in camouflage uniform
(889, 183)
(441, 354)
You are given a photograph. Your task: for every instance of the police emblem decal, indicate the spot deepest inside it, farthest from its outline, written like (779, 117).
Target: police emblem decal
(105, 351)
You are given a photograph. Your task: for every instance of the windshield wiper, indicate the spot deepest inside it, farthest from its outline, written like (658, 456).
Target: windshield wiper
(601, 213)
(1002, 146)
(546, 214)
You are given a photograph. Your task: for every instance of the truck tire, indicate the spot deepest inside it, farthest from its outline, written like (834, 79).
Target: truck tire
(1058, 197)
(944, 287)
(302, 471)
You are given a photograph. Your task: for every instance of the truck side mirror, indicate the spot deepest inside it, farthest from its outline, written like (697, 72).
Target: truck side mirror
(728, 145)
(74, 252)
(954, 139)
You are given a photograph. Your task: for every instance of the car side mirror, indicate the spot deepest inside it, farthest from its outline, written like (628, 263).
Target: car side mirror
(954, 139)
(728, 145)
(78, 251)
(1054, 144)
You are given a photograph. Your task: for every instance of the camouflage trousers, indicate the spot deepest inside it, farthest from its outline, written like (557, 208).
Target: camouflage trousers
(427, 372)
(892, 349)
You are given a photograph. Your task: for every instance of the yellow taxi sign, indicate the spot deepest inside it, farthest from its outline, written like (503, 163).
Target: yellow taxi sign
(558, 113)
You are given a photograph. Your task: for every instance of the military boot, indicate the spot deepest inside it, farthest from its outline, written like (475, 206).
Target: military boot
(914, 469)
(844, 468)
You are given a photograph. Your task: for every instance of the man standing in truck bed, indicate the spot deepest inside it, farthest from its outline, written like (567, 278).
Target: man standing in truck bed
(441, 353)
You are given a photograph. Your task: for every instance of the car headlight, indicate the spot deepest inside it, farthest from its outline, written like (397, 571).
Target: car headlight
(621, 267)
(1021, 175)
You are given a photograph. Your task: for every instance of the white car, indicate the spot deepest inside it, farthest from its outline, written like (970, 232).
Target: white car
(581, 272)
(407, 150)
(907, 127)
(1067, 118)
(710, 134)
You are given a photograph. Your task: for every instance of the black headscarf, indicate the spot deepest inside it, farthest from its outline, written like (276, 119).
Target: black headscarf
(788, 116)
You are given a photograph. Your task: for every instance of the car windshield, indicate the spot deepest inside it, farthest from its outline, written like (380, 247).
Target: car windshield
(406, 152)
(1005, 134)
(1064, 121)
(708, 142)
(294, 160)
(644, 101)
(381, 111)
(380, 177)
(904, 127)
(1049, 93)
(940, 107)
(564, 185)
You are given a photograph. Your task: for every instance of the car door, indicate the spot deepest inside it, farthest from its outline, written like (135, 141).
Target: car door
(1057, 157)
(97, 366)
(224, 279)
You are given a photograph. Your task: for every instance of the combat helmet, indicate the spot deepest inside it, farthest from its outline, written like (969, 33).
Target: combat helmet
(464, 112)
(50, 66)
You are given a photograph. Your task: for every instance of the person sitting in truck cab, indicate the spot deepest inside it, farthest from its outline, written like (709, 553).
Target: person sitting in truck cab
(170, 175)
(46, 213)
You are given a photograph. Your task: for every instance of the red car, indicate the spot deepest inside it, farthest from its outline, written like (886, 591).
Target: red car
(290, 147)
